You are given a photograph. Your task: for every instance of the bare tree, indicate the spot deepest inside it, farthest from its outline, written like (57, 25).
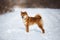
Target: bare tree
(5, 5)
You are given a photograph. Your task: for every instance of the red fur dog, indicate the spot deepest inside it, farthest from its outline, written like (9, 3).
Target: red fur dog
(31, 20)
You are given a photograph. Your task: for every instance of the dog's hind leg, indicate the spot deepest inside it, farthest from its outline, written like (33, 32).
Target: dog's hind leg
(41, 27)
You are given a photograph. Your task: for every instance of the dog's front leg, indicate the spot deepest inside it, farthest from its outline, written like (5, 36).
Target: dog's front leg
(27, 28)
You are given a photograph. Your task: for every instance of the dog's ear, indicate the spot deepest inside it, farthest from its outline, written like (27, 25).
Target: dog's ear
(24, 12)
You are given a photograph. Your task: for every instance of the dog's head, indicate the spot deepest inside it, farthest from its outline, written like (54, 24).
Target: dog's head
(24, 14)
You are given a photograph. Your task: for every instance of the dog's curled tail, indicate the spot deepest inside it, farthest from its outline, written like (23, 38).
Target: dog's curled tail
(38, 16)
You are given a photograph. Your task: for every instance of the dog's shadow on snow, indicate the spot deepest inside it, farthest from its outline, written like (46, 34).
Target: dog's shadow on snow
(35, 30)
(30, 30)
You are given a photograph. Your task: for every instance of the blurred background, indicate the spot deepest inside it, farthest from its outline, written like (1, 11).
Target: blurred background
(7, 5)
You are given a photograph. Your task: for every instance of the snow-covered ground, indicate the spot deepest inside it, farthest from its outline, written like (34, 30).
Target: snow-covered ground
(13, 28)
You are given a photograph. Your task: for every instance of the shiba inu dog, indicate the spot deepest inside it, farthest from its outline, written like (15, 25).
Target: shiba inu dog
(37, 19)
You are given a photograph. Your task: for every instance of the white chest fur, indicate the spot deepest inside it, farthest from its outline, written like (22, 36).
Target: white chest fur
(24, 21)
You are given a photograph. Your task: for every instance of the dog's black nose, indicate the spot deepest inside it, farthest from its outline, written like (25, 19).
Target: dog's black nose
(22, 16)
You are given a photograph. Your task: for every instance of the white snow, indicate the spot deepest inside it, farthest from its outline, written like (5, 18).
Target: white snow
(13, 28)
